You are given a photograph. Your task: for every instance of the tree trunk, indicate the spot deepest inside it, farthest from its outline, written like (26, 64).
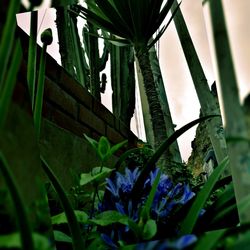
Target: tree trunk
(206, 99)
(157, 118)
(174, 148)
(239, 151)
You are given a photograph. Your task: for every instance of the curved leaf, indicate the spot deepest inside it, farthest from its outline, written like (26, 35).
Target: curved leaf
(136, 192)
(95, 175)
(77, 239)
(188, 224)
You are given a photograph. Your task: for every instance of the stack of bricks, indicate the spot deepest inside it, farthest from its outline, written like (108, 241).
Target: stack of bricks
(71, 106)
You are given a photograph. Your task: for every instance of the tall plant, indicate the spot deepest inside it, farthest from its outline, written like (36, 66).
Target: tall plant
(207, 101)
(136, 22)
(123, 82)
(239, 151)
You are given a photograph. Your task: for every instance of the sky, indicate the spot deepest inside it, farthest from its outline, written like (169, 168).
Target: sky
(183, 102)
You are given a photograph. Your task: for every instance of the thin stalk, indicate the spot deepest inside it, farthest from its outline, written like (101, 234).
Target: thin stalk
(32, 55)
(8, 38)
(22, 218)
(39, 93)
(239, 151)
(7, 90)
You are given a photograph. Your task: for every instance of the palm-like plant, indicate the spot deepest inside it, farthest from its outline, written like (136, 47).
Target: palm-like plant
(135, 22)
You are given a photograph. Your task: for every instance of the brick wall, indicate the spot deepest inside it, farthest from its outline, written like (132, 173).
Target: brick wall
(69, 105)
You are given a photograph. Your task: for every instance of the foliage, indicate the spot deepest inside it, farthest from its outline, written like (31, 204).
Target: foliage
(165, 215)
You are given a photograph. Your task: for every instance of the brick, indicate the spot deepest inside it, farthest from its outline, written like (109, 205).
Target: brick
(102, 112)
(64, 121)
(89, 118)
(75, 89)
(65, 102)
(114, 136)
(53, 70)
(124, 129)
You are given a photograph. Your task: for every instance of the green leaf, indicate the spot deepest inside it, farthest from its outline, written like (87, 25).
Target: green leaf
(38, 103)
(145, 214)
(92, 142)
(77, 239)
(208, 240)
(109, 217)
(149, 230)
(188, 224)
(13, 241)
(118, 146)
(32, 56)
(61, 218)
(95, 175)
(8, 38)
(103, 148)
(61, 237)
(6, 90)
(20, 209)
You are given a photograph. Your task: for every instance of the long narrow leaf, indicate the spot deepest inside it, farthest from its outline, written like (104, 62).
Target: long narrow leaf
(8, 38)
(209, 240)
(31, 70)
(22, 218)
(77, 239)
(39, 93)
(189, 222)
(136, 192)
(7, 90)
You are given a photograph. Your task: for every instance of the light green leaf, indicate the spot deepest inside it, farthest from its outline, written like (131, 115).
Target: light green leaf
(109, 217)
(118, 146)
(149, 230)
(13, 241)
(103, 148)
(61, 218)
(95, 175)
(61, 237)
(93, 142)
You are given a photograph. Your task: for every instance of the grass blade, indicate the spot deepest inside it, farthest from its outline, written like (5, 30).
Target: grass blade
(77, 239)
(189, 222)
(22, 218)
(8, 38)
(7, 90)
(31, 70)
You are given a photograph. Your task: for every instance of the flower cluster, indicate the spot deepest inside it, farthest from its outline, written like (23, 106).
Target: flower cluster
(167, 197)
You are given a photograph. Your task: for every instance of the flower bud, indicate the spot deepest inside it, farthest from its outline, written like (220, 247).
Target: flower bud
(46, 37)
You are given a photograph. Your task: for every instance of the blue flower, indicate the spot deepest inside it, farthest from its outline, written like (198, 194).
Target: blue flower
(167, 197)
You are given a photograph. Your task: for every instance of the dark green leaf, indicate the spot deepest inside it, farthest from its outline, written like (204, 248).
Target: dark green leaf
(20, 209)
(77, 239)
(188, 224)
